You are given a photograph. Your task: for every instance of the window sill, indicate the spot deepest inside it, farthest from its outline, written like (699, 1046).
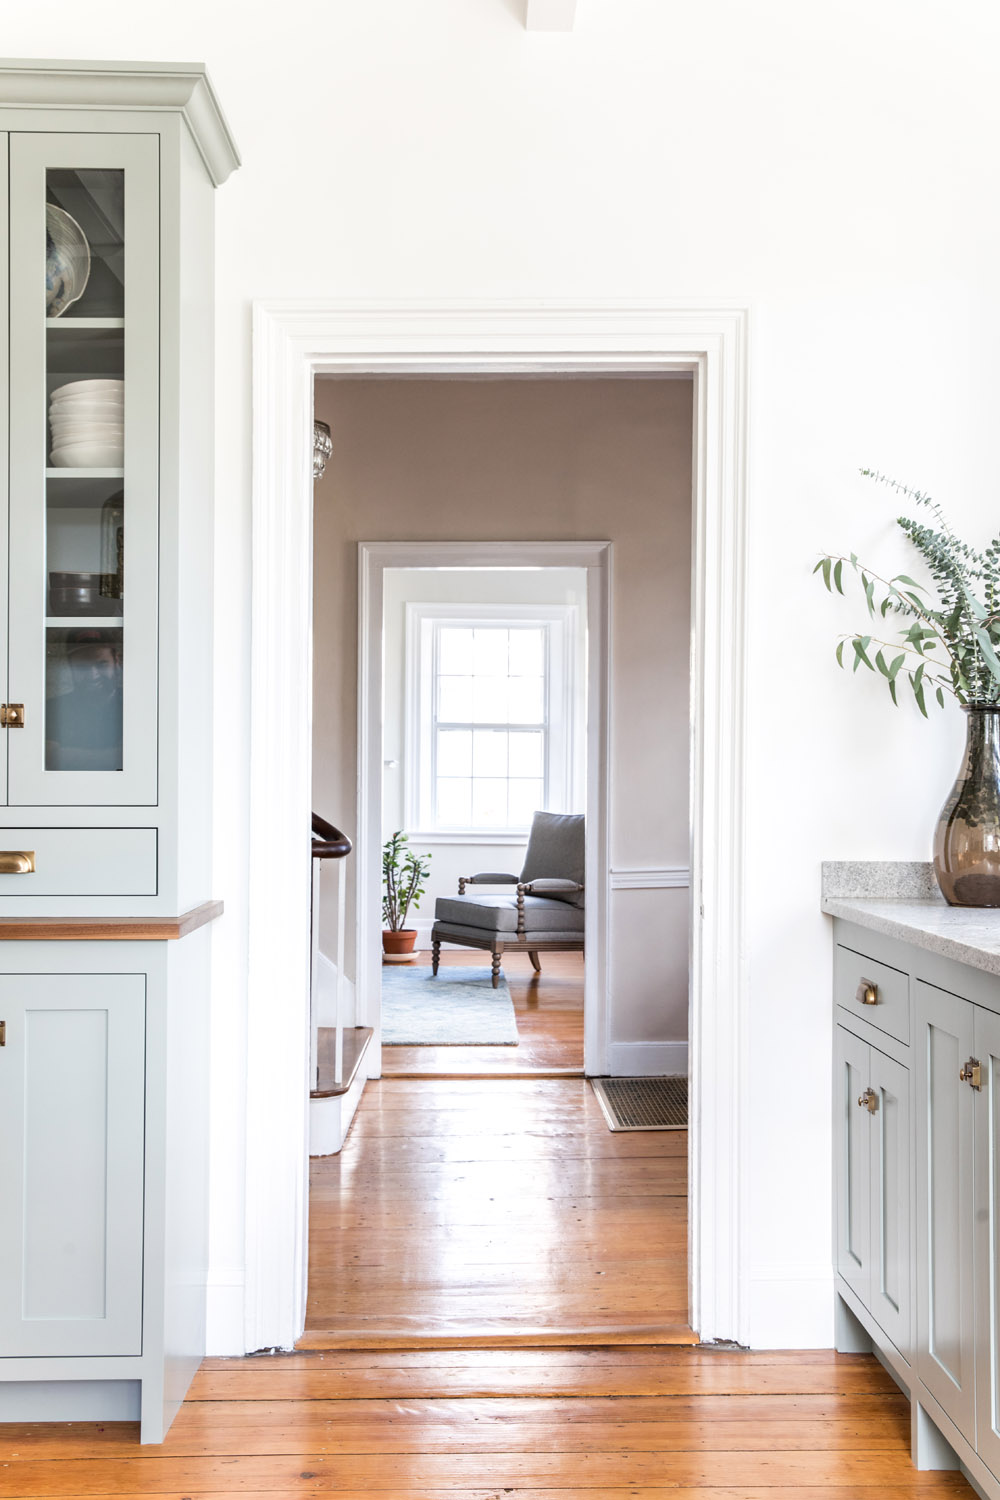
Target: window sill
(497, 837)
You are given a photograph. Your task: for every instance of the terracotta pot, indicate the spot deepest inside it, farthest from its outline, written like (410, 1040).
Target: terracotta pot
(399, 945)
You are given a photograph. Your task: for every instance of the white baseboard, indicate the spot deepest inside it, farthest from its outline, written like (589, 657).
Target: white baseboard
(647, 1059)
(327, 996)
(224, 1328)
(330, 1119)
(791, 1307)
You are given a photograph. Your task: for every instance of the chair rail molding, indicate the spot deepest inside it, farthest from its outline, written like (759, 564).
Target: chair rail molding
(293, 341)
(666, 878)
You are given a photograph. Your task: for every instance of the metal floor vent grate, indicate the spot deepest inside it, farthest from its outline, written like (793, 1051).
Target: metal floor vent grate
(643, 1103)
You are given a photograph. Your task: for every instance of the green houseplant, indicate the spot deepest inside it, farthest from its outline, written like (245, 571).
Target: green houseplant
(403, 883)
(946, 644)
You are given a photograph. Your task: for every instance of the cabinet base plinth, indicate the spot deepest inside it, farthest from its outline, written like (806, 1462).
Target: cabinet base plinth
(929, 1448)
(69, 1400)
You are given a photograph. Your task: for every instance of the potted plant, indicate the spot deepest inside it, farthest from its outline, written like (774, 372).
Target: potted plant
(948, 646)
(403, 877)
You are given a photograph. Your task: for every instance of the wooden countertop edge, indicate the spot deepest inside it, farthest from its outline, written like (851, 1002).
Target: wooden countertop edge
(108, 929)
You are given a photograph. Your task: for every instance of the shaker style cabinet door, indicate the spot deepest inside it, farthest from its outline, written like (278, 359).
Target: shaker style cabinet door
(84, 402)
(890, 1204)
(987, 1108)
(852, 1157)
(946, 1334)
(4, 438)
(71, 1168)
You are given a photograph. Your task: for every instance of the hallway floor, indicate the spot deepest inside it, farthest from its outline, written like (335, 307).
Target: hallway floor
(549, 1012)
(465, 1210)
(549, 1424)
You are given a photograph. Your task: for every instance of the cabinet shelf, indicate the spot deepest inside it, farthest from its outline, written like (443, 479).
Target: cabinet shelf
(85, 473)
(81, 622)
(83, 324)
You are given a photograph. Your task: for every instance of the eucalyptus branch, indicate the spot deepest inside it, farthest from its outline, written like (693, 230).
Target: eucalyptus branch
(966, 628)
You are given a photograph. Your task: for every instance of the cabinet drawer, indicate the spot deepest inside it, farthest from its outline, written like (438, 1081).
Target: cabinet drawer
(887, 989)
(82, 861)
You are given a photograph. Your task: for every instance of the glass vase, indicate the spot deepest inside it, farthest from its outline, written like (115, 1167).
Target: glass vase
(967, 839)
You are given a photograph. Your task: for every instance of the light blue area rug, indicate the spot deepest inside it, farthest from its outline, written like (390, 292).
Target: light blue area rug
(459, 1008)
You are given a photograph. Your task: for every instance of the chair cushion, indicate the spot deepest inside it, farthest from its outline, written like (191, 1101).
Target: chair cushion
(499, 913)
(557, 851)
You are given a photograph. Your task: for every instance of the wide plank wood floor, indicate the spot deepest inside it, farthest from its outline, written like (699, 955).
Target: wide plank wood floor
(572, 1424)
(549, 1011)
(467, 1210)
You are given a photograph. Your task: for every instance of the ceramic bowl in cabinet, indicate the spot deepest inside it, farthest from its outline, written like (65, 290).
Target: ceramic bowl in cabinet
(88, 455)
(89, 387)
(85, 431)
(67, 261)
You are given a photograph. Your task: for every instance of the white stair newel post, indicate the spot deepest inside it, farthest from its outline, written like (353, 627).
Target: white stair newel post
(341, 929)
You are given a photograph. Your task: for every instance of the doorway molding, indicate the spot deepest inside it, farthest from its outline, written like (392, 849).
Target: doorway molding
(373, 560)
(293, 342)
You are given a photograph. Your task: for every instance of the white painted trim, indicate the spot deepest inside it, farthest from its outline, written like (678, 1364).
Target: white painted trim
(373, 560)
(647, 1059)
(295, 341)
(670, 877)
(549, 15)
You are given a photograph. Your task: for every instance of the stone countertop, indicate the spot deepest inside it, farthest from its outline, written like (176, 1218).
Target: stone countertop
(969, 935)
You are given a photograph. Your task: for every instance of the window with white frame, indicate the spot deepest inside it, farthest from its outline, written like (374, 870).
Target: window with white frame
(489, 716)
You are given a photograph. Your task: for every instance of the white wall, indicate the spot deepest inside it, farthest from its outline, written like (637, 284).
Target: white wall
(831, 166)
(560, 586)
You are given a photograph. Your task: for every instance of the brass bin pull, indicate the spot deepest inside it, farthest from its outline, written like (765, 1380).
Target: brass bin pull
(867, 993)
(17, 861)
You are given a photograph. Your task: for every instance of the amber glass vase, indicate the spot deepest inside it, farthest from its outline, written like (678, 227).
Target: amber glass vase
(967, 840)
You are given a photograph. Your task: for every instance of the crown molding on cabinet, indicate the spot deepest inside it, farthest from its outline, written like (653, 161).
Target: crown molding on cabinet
(184, 87)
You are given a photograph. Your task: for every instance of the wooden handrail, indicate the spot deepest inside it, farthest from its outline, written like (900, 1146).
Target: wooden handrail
(328, 842)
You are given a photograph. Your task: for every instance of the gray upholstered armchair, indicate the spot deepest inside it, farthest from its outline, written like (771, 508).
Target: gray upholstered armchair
(544, 914)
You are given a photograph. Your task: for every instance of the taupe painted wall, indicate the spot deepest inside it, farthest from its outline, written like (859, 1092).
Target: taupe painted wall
(548, 460)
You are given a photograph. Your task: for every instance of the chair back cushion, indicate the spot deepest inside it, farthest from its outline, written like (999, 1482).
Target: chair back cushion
(557, 851)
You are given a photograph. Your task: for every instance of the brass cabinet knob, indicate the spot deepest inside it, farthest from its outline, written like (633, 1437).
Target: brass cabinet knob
(869, 1101)
(972, 1074)
(867, 993)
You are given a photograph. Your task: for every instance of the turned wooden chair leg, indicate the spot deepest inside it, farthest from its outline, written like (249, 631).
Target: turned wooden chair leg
(497, 960)
(534, 961)
(435, 954)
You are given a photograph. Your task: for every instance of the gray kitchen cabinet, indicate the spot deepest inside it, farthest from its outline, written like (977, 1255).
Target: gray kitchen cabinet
(107, 285)
(71, 1170)
(917, 1198)
(872, 1170)
(986, 1094)
(944, 1135)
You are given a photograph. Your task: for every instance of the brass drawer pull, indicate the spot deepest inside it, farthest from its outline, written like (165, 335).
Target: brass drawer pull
(867, 993)
(972, 1074)
(17, 861)
(869, 1101)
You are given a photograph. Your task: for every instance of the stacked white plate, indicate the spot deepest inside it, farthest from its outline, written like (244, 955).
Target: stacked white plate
(87, 418)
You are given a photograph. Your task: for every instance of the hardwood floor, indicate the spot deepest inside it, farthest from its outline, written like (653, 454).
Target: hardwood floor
(549, 1010)
(461, 1211)
(574, 1424)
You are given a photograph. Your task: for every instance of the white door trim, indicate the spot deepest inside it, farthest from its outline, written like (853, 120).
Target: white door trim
(373, 559)
(293, 342)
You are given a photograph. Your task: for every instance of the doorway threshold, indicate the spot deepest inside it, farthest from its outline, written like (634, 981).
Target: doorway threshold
(492, 1334)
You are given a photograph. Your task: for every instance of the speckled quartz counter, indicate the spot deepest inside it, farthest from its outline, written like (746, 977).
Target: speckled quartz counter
(899, 901)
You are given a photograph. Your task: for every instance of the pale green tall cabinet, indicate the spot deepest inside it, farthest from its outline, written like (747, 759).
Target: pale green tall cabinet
(107, 278)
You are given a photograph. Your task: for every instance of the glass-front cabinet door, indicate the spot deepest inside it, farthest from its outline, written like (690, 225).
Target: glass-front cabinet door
(84, 378)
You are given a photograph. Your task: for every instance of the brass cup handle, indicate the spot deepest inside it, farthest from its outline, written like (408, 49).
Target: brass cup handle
(867, 993)
(17, 861)
(869, 1101)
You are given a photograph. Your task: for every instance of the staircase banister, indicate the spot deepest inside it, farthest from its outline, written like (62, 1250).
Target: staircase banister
(328, 842)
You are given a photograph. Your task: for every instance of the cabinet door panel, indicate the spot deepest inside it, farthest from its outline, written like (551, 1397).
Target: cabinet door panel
(4, 452)
(987, 1106)
(852, 1138)
(945, 1315)
(890, 1212)
(71, 1171)
(84, 471)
